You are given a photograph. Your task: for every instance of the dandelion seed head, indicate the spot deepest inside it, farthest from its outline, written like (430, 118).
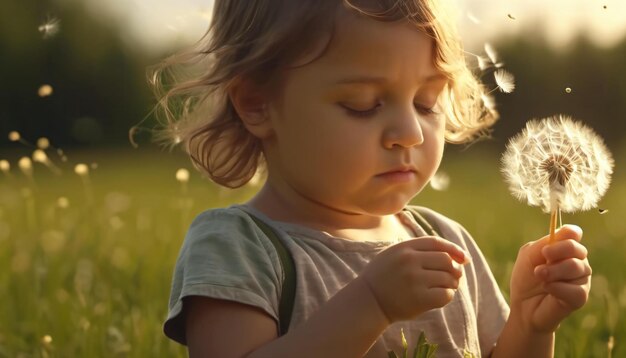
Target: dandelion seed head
(40, 156)
(182, 175)
(440, 181)
(43, 143)
(81, 169)
(505, 80)
(557, 161)
(45, 91)
(5, 166)
(14, 136)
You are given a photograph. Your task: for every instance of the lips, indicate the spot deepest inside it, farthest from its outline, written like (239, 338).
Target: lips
(401, 175)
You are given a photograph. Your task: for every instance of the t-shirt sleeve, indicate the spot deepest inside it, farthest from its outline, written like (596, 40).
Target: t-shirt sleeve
(224, 256)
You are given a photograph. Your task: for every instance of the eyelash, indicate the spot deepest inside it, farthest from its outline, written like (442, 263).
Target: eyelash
(371, 112)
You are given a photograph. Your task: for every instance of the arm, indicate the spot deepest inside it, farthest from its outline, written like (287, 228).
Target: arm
(350, 323)
(548, 283)
(426, 269)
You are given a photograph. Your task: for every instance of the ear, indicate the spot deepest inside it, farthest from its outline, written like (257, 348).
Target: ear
(250, 103)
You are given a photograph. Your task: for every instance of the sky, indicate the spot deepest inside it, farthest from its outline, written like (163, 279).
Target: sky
(161, 24)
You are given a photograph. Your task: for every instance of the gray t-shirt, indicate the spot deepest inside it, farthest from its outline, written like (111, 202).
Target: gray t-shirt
(225, 255)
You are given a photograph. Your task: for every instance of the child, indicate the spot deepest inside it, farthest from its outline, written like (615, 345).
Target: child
(347, 105)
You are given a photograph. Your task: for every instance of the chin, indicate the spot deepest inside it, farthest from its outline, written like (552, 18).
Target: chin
(390, 205)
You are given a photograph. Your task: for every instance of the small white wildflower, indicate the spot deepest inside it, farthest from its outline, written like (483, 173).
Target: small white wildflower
(25, 165)
(43, 143)
(182, 175)
(63, 202)
(14, 136)
(81, 169)
(5, 166)
(40, 156)
(45, 90)
(556, 163)
(504, 80)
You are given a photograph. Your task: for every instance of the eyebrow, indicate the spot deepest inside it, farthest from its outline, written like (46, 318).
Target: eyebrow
(380, 80)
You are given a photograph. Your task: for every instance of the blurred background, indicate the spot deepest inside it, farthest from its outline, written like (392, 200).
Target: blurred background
(89, 236)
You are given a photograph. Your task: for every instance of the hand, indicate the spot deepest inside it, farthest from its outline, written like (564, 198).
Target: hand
(414, 276)
(550, 281)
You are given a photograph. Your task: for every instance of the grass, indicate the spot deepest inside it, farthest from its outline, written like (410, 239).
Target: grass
(92, 278)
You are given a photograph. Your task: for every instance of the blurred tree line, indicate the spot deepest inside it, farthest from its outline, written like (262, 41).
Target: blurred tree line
(100, 89)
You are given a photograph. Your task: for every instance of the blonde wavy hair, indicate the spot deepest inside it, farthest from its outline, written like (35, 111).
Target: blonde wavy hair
(255, 39)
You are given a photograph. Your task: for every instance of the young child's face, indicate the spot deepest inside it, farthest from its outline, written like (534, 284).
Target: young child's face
(324, 151)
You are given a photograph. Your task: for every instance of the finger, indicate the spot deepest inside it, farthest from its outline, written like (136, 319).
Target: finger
(570, 295)
(565, 249)
(533, 249)
(569, 232)
(440, 279)
(566, 270)
(434, 243)
(441, 261)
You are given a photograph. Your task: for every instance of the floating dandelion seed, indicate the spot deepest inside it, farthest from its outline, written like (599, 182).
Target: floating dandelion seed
(568, 90)
(505, 81)
(473, 18)
(45, 91)
(603, 211)
(50, 28)
(557, 164)
(440, 181)
(511, 16)
(483, 63)
(493, 55)
(489, 101)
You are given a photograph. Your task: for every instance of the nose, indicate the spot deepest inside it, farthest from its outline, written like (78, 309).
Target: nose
(403, 129)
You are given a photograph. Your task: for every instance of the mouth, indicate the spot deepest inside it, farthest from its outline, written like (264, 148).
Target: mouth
(400, 175)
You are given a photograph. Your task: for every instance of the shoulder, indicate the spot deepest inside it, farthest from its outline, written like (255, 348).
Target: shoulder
(445, 225)
(228, 226)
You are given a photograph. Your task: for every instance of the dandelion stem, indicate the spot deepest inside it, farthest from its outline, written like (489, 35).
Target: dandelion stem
(553, 217)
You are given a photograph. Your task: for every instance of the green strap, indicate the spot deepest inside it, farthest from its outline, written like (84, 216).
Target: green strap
(423, 222)
(288, 295)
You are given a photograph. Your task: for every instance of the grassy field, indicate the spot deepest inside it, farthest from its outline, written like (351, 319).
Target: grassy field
(86, 262)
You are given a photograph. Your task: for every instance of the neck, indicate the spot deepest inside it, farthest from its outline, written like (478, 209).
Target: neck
(283, 203)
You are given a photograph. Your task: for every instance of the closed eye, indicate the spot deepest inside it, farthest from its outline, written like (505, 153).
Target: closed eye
(372, 111)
